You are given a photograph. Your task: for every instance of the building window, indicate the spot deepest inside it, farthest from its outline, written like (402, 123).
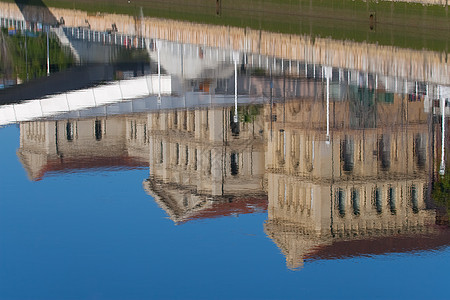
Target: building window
(145, 133)
(195, 159)
(341, 202)
(234, 163)
(420, 150)
(210, 162)
(70, 131)
(192, 121)
(392, 204)
(355, 202)
(377, 201)
(414, 199)
(347, 154)
(98, 130)
(384, 152)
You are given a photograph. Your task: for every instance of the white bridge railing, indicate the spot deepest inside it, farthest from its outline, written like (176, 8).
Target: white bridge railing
(114, 92)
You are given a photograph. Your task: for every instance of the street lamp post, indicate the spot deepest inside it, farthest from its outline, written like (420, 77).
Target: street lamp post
(442, 167)
(159, 72)
(235, 58)
(328, 75)
(48, 55)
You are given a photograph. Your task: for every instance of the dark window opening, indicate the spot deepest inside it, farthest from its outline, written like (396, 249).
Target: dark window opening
(414, 200)
(420, 151)
(341, 202)
(69, 131)
(384, 152)
(195, 160)
(347, 155)
(98, 130)
(355, 202)
(392, 203)
(378, 201)
(234, 164)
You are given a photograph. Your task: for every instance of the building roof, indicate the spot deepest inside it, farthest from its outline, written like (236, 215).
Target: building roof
(401, 243)
(55, 165)
(206, 207)
(299, 247)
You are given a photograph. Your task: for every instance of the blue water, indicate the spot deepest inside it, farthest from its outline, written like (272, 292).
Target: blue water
(98, 235)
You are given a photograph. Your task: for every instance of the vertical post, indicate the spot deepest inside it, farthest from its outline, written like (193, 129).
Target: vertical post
(328, 74)
(442, 167)
(159, 72)
(235, 88)
(26, 55)
(48, 56)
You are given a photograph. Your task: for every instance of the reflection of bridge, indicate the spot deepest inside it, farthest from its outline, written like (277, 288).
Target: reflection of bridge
(89, 39)
(114, 92)
(89, 36)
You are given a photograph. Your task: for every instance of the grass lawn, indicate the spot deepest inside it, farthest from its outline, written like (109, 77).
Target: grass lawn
(388, 23)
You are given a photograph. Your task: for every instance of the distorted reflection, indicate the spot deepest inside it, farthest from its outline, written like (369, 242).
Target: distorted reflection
(342, 156)
(364, 191)
(202, 169)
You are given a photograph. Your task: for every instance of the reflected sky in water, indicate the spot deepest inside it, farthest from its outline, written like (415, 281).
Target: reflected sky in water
(171, 169)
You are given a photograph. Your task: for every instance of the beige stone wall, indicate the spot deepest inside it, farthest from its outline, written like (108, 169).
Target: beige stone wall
(78, 139)
(197, 149)
(316, 197)
(296, 141)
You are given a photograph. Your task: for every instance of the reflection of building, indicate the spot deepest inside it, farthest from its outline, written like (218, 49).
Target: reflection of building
(201, 164)
(200, 157)
(64, 146)
(361, 190)
(368, 182)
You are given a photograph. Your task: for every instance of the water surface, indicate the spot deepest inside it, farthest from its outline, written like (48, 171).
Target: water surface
(157, 168)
